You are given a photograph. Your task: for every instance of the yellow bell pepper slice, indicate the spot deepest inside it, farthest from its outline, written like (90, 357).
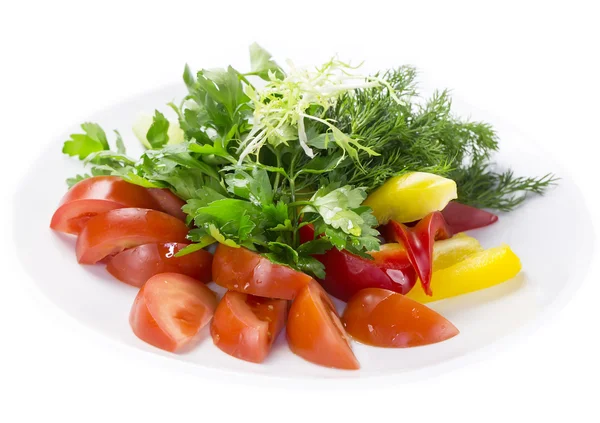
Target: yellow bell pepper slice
(453, 250)
(411, 197)
(478, 271)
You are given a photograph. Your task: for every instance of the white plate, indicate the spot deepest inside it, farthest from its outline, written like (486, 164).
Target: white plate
(550, 234)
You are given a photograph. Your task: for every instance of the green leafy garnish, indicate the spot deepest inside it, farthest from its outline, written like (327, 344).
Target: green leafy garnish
(263, 159)
(158, 135)
(82, 145)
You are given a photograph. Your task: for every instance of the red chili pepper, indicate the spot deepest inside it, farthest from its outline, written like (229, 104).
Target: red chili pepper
(418, 242)
(461, 217)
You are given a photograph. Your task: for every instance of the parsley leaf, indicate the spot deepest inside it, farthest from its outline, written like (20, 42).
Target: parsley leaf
(262, 63)
(77, 178)
(254, 186)
(157, 134)
(335, 207)
(82, 145)
(120, 145)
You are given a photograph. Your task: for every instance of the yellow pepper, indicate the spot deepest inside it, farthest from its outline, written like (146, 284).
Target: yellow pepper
(410, 197)
(453, 250)
(478, 271)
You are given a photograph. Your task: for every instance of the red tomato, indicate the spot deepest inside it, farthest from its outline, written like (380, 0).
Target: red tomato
(384, 318)
(116, 230)
(239, 269)
(315, 333)
(170, 310)
(246, 326)
(168, 202)
(346, 274)
(136, 265)
(97, 195)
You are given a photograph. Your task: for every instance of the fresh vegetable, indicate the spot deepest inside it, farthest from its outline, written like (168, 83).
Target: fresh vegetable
(168, 202)
(453, 250)
(241, 270)
(293, 177)
(460, 217)
(315, 332)
(136, 265)
(94, 196)
(157, 131)
(409, 197)
(113, 231)
(246, 326)
(478, 271)
(346, 274)
(170, 309)
(383, 318)
(418, 242)
(307, 146)
(417, 134)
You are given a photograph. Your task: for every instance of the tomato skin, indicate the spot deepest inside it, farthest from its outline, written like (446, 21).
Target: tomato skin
(96, 195)
(118, 229)
(168, 202)
(170, 310)
(136, 265)
(246, 326)
(383, 318)
(242, 270)
(315, 333)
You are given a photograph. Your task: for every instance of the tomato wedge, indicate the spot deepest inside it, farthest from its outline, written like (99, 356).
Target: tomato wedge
(170, 310)
(245, 326)
(383, 318)
(136, 265)
(116, 230)
(168, 202)
(242, 270)
(97, 195)
(315, 333)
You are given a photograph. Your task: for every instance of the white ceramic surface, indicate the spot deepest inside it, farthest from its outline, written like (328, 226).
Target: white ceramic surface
(551, 235)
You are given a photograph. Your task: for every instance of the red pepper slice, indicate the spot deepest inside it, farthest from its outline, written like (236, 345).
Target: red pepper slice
(346, 274)
(461, 217)
(418, 242)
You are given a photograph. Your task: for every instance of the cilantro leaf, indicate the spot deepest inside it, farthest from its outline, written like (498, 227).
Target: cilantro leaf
(157, 134)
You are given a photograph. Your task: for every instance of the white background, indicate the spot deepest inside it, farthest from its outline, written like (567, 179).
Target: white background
(533, 65)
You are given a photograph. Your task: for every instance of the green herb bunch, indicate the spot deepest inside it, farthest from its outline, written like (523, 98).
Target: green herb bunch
(260, 161)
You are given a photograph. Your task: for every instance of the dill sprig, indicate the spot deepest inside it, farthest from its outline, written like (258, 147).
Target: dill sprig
(417, 134)
(479, 186)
